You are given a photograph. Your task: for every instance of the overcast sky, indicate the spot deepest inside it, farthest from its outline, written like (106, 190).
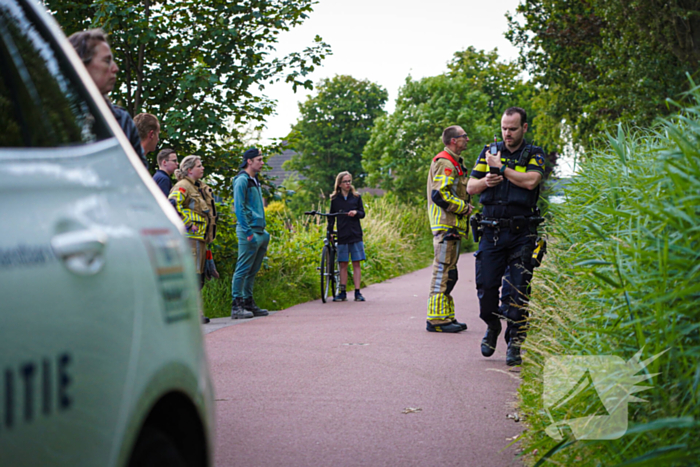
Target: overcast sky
(385, 41)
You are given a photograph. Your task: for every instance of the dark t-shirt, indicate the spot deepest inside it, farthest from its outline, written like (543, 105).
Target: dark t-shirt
(129, 128)
(349, 228)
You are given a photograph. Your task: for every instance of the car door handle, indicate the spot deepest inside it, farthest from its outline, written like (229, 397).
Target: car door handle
(81, 251)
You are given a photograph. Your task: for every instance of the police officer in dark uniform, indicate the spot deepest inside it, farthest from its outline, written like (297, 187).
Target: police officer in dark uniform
(508, 183)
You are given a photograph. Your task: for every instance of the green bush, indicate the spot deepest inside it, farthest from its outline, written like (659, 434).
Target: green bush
(397, 240)
(623, 274)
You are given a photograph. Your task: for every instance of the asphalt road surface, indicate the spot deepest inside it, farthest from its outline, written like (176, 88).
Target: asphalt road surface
(363, 384)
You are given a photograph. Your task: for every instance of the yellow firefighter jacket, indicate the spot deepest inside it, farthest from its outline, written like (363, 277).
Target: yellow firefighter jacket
(448, 201)
(194, 202)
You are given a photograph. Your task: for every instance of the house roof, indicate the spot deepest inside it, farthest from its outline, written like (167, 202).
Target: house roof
(276, 170)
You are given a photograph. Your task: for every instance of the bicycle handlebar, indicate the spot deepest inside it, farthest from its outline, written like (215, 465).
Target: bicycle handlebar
(325, 214)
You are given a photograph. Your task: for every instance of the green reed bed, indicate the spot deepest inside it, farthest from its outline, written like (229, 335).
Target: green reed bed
(397, 241)
(623, 274)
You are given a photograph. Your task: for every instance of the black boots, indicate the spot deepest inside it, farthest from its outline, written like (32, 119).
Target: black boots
(513, 354)
(237, 311)
(247, 308)
(249, 305)
(488, 346)
(488, 343)
(449, 327)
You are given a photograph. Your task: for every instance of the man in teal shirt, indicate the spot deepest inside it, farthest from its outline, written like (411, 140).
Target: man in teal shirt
(252, 237)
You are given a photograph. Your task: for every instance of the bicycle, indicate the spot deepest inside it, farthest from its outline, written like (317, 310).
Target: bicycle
(330, 271)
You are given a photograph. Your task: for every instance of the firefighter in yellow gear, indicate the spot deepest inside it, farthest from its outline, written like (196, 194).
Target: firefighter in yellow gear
(448, 209)
(194, 201)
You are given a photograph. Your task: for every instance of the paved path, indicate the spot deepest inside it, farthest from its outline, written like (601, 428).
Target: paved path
(330, 384)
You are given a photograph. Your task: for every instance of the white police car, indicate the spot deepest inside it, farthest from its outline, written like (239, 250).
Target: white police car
(101, 351)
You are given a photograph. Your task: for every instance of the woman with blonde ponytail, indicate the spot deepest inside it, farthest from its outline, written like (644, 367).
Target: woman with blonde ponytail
(194, 201)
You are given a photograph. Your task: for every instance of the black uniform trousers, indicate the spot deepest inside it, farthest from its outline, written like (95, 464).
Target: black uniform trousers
(500, 249)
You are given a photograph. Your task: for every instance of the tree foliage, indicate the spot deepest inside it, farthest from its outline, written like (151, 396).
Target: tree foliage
(333, 129)
(473, 93)
(200, 67)
(600, 62)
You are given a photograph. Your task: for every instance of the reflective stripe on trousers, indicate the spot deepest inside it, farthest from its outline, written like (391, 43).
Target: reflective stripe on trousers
(441, 307)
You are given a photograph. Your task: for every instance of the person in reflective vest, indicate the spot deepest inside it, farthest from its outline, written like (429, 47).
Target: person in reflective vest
(448, 210)
(194, 202)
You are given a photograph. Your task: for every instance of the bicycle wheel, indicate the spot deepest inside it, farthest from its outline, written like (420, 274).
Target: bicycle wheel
(332, 271)
(325, 277)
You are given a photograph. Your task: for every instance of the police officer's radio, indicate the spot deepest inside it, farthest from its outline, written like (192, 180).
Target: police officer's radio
(493, 149)
(494, 146)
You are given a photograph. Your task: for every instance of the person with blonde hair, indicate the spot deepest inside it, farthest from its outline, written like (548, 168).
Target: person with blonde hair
(350, 246)
(194, 201)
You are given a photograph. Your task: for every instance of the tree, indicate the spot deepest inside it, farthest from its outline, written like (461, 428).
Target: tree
(600, 62)
(198, 65)
(473, 93)
(333, 129)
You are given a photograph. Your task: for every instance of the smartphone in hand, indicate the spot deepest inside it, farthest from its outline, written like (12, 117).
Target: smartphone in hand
(493, 149)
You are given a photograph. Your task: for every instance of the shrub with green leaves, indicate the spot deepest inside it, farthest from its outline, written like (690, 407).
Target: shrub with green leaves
(623, 275)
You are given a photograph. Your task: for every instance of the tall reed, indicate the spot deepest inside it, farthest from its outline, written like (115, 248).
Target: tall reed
(623, 275)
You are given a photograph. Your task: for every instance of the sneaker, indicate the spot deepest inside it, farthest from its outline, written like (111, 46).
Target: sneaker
(449, 327)
(249, 305)
(341, 297)
(461, 325)
(205, 320)
(513, 357)
(488, 343)
(237, 311)
(359, 297)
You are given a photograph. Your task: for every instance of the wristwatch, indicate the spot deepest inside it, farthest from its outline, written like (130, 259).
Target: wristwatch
(503, 170)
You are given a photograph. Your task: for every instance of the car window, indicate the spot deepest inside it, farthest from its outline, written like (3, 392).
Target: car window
(42, 103)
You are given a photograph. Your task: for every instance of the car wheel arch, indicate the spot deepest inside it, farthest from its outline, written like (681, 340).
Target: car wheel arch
(175, 416)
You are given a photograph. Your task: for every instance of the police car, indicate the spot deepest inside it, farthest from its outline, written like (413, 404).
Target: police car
(101, 350)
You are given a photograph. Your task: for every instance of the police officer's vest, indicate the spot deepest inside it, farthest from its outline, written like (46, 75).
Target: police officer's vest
(506, 192)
